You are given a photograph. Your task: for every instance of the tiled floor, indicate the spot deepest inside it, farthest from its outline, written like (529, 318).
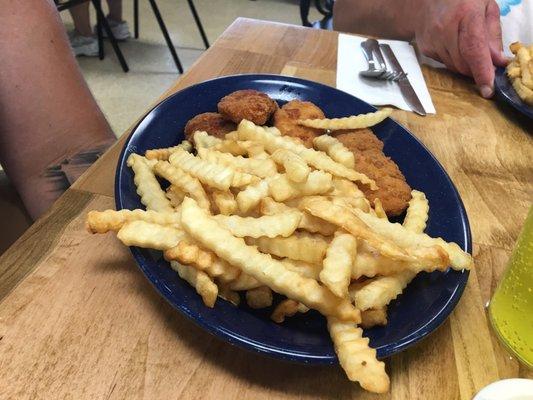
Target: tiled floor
(124, 97)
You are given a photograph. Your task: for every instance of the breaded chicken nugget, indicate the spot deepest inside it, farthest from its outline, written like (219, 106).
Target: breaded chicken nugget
(247, 104)
(213, 123)
(285, 120)
(358, 139)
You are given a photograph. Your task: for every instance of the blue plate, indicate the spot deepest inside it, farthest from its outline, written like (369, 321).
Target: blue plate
(505, 90)
(423, 306)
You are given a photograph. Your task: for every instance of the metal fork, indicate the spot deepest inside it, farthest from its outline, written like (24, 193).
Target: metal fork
(371, 47)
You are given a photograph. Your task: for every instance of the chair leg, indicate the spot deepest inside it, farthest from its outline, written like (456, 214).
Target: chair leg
(305, 5)
(198, 23)
(166, 35)
(136, 19)
(100, 37)
(98, 6)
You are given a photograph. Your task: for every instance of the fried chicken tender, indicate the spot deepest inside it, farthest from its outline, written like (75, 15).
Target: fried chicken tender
(393, 191)
(247, 104)
(358, 139)
(285, 120)
(210, 122)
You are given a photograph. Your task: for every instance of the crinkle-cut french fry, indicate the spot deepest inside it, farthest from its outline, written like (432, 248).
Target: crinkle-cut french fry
(282, 188)
(303, 268)
(381, 291)
(190, 253)
(224, 292)
(430, 255)
(335, 149)
(148, 188)
(185, 182)
(524, 59)
(378, 209)
(242, 179)
(405, 238)
(337, 266)
(353, 122)
(175, 195)
(356, 357)
(268, 225)
(417, 212)
(301, 246)
(307, 222)
(243, 282)
(215, 175)
(199, 280)
(149, 235)
(164, 154)
(260, 297)
(250, 197)
(345, 188)
(373, 317)
(287, 308)
(345, 218)
(261, 168)
(231, 135)
(203, 139)
(224, 201)
(525, 93)
(513, 70)
(296, 169)
(202, 227)
(234, 147)
(111, 220)
(249, 131)
(369, 262)
(351, 202)
(187, 252)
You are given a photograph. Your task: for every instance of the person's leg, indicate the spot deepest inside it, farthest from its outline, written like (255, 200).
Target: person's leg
(118, 25)
(115, 10)
(82, 19)
(46, 117)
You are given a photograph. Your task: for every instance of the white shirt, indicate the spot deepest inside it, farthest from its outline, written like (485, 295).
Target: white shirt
(517, 22)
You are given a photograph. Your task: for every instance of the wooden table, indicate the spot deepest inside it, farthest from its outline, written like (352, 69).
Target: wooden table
(79, 320)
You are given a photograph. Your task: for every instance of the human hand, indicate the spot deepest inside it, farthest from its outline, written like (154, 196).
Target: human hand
(465, 35)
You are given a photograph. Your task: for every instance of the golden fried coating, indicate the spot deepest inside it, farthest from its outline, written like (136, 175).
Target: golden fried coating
(394, 192)
(285, 120)
(358, 139)
(247, 104)
(210, 122)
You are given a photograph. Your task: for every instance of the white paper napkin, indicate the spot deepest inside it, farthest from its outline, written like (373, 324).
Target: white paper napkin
(350, 60)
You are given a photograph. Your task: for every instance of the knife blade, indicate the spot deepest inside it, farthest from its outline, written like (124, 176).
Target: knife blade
(406, 88)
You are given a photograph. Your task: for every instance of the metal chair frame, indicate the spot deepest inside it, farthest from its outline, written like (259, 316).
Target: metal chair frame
(102, 23)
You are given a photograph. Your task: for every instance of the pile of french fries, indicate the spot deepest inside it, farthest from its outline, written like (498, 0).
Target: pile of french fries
(260, 212)
(520, 71)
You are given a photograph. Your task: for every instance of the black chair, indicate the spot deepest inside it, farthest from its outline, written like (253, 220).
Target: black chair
(101, 22)
(324, 7)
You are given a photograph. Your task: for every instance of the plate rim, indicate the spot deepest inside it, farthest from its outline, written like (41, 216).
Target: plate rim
(278, 354)
(521, 106)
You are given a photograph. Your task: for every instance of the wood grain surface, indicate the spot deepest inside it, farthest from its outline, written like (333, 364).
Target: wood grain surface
(78, 320)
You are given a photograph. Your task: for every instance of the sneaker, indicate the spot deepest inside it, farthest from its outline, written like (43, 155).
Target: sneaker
(83, 45)
(120, 30)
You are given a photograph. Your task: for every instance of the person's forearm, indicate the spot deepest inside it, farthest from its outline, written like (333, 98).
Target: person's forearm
(379, 18)
(47, 112)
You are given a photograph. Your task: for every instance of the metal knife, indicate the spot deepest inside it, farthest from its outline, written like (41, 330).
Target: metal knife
(407, 90)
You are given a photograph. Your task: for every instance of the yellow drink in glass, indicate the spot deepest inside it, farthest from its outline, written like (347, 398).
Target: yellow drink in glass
(511, 307)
